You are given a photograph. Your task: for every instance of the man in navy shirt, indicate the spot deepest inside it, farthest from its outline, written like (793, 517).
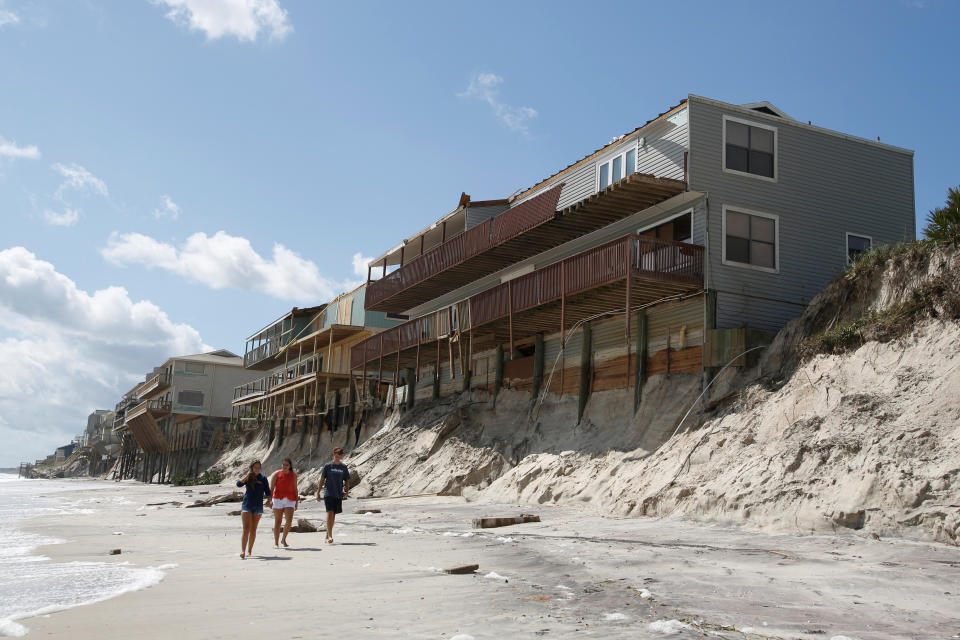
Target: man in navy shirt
(334, 486)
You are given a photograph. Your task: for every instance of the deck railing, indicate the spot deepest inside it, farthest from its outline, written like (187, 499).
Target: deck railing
(466, 245)
(649, 258)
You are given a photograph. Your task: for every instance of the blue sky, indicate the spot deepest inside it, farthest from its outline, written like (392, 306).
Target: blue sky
(175, 174)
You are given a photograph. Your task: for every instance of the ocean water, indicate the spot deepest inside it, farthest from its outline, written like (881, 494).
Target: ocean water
(32, 585)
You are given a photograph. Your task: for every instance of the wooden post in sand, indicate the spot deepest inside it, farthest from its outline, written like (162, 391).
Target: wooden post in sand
(640, 369)
(537, 365)
(585, 354)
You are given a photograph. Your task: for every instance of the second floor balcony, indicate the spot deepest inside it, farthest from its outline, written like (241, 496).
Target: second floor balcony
(156, 408)
(156, 383)
(525, 230)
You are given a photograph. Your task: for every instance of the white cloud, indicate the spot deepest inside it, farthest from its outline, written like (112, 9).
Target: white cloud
(244, 19)
(222, 261)
(360, 263)
(7, 16)
(9, 148)
(69, 351)
(486, 87)
(76, 177)
(170, 209)
(66, 219)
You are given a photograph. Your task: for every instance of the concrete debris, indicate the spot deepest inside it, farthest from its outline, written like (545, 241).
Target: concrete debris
(306, 526)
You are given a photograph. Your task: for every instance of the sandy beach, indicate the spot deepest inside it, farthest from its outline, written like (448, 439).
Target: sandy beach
(571, 575)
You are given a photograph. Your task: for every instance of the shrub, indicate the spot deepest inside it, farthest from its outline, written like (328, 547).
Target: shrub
(943, 223)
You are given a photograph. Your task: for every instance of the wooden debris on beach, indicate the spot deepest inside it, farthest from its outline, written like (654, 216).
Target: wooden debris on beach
(362, 511)
(489, 523)
(160, 504)
(233, 513)
(462, 569)
(305, 526)
(115, 552)
(234, 496)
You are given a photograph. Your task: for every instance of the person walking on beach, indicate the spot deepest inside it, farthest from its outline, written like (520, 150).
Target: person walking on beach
(334, 485)
(286, 499)
(252, 508)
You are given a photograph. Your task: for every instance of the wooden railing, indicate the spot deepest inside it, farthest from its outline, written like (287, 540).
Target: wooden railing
(159, 405)
(473, 241)
(649, 258)
(158, 381)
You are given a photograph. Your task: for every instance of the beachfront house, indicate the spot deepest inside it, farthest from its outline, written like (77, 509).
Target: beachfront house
(303, 364)
(177, 412)
(713, 224)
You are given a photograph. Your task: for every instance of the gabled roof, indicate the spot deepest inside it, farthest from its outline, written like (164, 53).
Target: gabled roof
(220, 356)
(767, 108)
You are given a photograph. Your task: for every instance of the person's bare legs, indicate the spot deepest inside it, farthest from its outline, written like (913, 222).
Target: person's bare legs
(277, 517)
(254, 522)
(246, 518)
(288, 512)
(331, 516)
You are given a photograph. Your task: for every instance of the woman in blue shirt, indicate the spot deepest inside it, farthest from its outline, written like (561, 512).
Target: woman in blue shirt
(252, 508)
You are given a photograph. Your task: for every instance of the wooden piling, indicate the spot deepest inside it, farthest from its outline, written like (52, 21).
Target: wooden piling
(585, 356)
(640, 368)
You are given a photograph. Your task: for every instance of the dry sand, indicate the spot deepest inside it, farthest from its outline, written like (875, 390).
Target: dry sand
(572, 575)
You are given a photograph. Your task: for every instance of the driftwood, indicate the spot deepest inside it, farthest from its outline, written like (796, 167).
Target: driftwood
(362, 511)
(489, 523)
(115, 552)
(160, 504)
(466, 568)
(234, 496)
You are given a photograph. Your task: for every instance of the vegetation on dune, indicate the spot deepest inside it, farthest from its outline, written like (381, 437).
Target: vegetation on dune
(934, 298)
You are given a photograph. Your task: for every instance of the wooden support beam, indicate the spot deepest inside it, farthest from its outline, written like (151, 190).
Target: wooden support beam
(436, 368)
(563, 322)
(467, 370)
(380, 368)
(510, 313)
(586, 354)
(411, 388)
(384, 267)
(626, 313)
(640, 368)
(537, 365)
(396, 378)
(498, 374)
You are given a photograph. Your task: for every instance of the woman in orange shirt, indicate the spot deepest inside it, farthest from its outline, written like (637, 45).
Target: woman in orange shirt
(286, 499)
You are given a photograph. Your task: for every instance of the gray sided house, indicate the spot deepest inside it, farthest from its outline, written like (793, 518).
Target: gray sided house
(708, 218)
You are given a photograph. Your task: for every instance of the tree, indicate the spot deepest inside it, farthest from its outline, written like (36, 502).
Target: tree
(943, 223)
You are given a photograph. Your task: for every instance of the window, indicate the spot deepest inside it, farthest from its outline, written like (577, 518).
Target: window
(857, 246)
(616, 168)
(677, 229)
(190, 398)
(193, 367)
(750, 238)
(749, 148)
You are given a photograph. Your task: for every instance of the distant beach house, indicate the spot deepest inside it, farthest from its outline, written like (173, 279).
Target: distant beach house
(167, 420)
(304, 360)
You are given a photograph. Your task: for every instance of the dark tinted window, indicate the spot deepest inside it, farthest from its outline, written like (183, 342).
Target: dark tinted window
(751, 240)
(749, 149)
(856, 246)
(190, 398)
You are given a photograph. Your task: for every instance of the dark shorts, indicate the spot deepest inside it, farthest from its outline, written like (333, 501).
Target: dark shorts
(333, 504)
(254, 509)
